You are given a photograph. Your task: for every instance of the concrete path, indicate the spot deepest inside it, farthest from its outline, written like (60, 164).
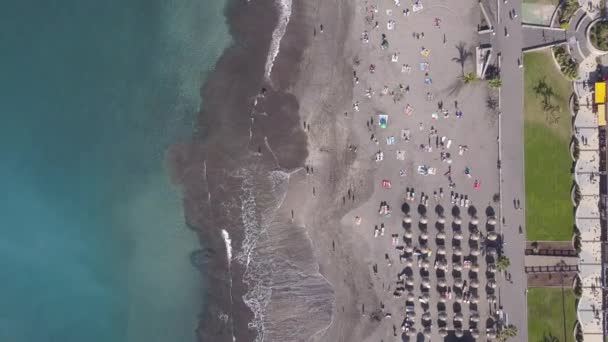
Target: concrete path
(511, 154)
(538, 37)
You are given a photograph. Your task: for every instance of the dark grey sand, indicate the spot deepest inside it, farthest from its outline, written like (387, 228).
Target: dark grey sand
(310, 266)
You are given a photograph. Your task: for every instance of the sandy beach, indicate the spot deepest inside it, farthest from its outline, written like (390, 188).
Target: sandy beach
(297, 176)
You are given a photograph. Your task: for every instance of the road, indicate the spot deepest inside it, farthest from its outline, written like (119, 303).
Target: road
(513, 294)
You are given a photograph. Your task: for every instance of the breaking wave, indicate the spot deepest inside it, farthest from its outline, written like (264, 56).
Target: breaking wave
(277, 35)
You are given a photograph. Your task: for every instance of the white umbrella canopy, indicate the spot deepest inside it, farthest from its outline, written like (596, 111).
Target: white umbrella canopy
(410, 296)
(492, 299)
(443, 332)
(426, 283)
(407, 219)
(443, 316)
(491, 251)
(492, 222)
(492, 268)
(457, 251)
(441, 220)
(474, 221)
(409, 262)
(475, 236)
(459, 333)
(474, 317)
(408, 234)
(458, 282)
(475, 267)
(458, 236)
(426, 316)
(475, 333)
(411, 331)
(458, 297)
(491, 333)
(427, 332)
(423, 220)
(409, 282)
(474, 299)
(457, 266)
(492, 284)
(474, 283)
(492, 236)
(457, 221)
(458, 317)
(441, 282)
(441, 250)
(424, 236)
(441, 236)
(425, 263)
(474, 251)
(409, 248)
(442, 265)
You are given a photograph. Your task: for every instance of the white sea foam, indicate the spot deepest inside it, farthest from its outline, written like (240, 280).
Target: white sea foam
(255, 219)
(228, 242)
(277, 34)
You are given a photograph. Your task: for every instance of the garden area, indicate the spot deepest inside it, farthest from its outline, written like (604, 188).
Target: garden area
(598, 34)
(551, 314)
(547, 134)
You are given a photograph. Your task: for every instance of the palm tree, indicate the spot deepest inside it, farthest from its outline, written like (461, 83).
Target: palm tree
(495, 82)
(503, 263)
(507, 332)
(463, 55)
(468, 77)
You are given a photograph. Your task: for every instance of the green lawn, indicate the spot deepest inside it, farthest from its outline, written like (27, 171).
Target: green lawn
(549, 210)
(546, 314)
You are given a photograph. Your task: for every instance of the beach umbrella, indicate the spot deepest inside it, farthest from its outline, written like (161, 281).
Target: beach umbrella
(475, 251)
(458, 317)
(474, 299)
(409, 248)
(442, 265)
(475, 236)
(407, 219)
(492, 222)
(411, 331)
(458, 297)
(458, 236)
(492, 268)
(492, 299)
(409, 262)
(443, 332)
(492, 236)
(426, 297)
(441, 220)
(457, 266)
(424, 236)
(475, 267)
(475, 333)
(441, 282)
(426, 316)
(410, 297)
(441, 299)
(474, 317)
(426, 283)
(474, 221)
(458, 282)
(491, 251)
(440, 235)
(441, 250)
(492, 284)
(457, 251)
(459, 333)
(427, 332)
(443, 316)
(409, 282)
(423, 220)
(491, 333)
(457, 221)
(474, 283)
(408, 234)
(425, 263)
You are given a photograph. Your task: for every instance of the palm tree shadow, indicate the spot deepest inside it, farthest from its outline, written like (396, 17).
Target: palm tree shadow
(549, 337)
(463, 55)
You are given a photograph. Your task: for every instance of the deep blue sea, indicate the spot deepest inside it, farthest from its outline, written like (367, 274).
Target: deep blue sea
(93, 245)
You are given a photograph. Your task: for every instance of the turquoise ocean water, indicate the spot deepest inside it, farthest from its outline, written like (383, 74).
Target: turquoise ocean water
(93, 245)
